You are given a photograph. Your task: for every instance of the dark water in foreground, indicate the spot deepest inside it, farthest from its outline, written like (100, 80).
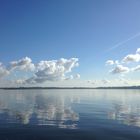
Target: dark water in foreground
(70, 114)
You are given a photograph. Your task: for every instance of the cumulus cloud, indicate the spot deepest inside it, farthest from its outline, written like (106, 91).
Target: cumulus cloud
(23, 64)
(54, 70)
(120, 69)
(127, 59)
(131, 58)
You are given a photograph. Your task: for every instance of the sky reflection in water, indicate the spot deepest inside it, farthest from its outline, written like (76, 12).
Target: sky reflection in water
(69, 108)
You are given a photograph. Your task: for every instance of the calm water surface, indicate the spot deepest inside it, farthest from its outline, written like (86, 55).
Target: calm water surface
(70, 114)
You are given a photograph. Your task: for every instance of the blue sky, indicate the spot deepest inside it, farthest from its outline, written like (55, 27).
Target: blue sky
(83, 29)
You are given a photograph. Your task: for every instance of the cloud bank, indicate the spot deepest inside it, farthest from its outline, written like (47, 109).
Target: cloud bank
(52, 70)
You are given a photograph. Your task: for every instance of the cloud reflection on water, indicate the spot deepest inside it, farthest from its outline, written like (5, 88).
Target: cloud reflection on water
(70, 108)
(38, 109)
(125, 114)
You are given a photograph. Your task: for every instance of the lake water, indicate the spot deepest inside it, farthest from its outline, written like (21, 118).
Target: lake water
(70, 114)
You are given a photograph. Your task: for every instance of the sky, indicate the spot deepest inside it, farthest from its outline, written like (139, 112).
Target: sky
(69, 42)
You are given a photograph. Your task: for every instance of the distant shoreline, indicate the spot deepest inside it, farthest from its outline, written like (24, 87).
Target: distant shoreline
(28, 88)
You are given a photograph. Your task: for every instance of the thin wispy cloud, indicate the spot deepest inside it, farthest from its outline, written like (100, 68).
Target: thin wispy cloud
(122, 42)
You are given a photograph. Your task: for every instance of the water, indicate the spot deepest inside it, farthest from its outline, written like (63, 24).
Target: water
(70, 114)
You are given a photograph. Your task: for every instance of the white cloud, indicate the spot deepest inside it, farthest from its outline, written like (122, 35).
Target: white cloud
(138, 51)
(69, 78)
(112, 62)
(117, 62)
(105, 81)
(124, 81)
(77, 76)
(137, 68)
(131, 58)
(54, 70)
(93, 82)
(20, 81)
(23, 71)
(109, 62)
(3, 71)
(120, 69)
(23, 64)
(89, 81)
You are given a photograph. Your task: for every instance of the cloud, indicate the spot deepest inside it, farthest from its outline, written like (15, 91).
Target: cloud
(112, 62)
(117, 62)
(53, 70)
(20, 81)
(131, 58)
(3, 71)
(124, 81)
(127, 59)
(48, 109)
(69, 78)
(23, 71)
(93, 82)
(109, 62)
(23, 64)
(138, 51)
(120, 69)
(77, 76)
(137, 68)
(105, 81)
